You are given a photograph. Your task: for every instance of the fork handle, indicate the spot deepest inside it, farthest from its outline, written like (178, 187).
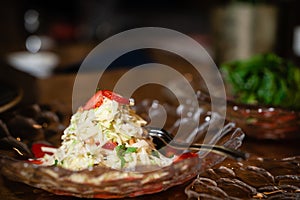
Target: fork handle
(233, 153)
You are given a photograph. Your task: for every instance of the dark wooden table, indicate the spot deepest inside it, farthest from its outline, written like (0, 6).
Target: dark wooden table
(10, 190)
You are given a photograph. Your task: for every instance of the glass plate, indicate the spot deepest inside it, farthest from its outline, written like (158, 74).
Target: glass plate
(100, 182)
(255, 178)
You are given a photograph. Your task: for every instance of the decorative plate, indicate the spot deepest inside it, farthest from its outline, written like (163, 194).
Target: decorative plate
(100, 182)
(255, 178)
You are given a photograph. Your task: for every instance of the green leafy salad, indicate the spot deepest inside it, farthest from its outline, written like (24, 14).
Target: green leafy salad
(265, 79)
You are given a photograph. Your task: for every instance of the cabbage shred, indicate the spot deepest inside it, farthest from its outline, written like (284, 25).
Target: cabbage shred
(110, 135)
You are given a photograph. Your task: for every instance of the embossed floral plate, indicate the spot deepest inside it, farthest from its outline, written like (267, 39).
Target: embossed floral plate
(101, 182)
(255, 178)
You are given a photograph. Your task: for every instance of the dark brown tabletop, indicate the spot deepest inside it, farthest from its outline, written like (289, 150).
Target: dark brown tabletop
(10, 190)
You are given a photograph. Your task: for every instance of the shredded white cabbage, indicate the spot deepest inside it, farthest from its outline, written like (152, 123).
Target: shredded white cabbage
(110, 135)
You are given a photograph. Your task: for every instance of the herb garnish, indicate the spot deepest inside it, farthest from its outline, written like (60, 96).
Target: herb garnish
(122, 150)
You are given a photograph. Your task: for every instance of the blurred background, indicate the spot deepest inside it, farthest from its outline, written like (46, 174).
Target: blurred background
(228, 30)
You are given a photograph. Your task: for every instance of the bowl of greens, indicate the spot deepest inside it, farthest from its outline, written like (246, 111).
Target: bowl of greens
(264, 96)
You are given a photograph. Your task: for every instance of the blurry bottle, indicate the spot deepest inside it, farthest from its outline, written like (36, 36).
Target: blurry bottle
(289, 30)
(293, 30)
(243, 29)
(296, 40)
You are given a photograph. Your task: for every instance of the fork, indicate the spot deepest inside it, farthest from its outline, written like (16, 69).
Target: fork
(163, 138)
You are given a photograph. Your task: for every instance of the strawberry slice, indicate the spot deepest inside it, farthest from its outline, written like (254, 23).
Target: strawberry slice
(186, 156)
(95, 101)
(37, 150)
(116, 97)
(35, 161)
(110, 145)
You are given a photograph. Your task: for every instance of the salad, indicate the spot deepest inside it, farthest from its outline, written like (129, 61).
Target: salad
(265, 79)
(104, 132)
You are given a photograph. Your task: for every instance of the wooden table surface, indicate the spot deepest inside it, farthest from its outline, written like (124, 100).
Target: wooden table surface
(10, 190)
